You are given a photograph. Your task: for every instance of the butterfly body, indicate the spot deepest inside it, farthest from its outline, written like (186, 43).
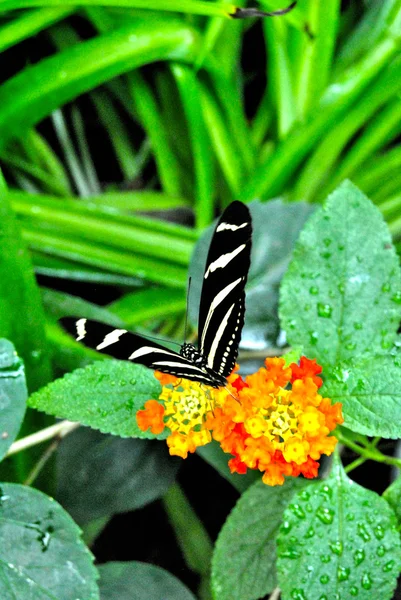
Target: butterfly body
(221, 313)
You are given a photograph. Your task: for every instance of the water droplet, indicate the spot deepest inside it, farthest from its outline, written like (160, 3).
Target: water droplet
(324, 579)
(326, 491)
(396, 297)
(310, 533)
(386, 287)
(304, 495)
(285, 527)
(343, 573)
(350, 346)
(366, 581)
(132, 381)
(359, 557)
(290, 554)
(297, 510)
(327, 242)
(298, 594)
(386, 344)
(325, 515)
(324, 310)
(36, 355)
(326, 255)
(381, 551)
(341, 247)
(308, 507)
(323, 597)
(358, 325)
(307, 307)
(123, 382)
(325, 558)
(353, 590)
(349, 517)
(388, 566)
(341, 288)
(313, 337)
(337, 547)
(363, 532)
(314, 290)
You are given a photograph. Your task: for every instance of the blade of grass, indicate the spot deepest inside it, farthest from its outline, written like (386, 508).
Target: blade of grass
(39, 89)
(270, 177)
(85, 155)
(203, 160)
(153, 303)
(30, 23)
(103, 257)
(149, 115)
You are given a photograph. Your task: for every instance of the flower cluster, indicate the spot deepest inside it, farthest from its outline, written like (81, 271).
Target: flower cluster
(273, 420)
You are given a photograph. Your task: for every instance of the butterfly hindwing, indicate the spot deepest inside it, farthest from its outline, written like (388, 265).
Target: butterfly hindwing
(222, 304)
(124, 345)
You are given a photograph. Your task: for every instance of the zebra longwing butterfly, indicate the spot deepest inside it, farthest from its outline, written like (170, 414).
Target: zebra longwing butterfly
(221, 313)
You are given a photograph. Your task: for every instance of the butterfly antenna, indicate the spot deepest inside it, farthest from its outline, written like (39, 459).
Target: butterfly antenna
(232, 395)
(158, 339)
(186, 311)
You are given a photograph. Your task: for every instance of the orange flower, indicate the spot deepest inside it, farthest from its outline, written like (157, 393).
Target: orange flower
(151, 417)
(274, 420)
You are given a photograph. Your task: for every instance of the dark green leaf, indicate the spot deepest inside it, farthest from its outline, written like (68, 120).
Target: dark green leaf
(13, 395)
(42, 555)
(101, 475)
(244, 561)
(338, 539)
(137, 581)
(370, 394)
(276, 227)
(105, 396)
(341, 295)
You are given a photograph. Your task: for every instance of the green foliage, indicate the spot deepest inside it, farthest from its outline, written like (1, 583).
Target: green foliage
(244, 559)
(42, 555)
(337, 537)
(105, 396)
(13, 395)
(179, 126)
(135, 580)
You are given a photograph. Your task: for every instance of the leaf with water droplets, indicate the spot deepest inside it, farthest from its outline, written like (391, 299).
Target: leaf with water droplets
(13, 395)
(349, 278)
(243, 566)
(370, 393)
(116, 475)
(355, 549)
(41, 554)
(137, 581)
(105, 395)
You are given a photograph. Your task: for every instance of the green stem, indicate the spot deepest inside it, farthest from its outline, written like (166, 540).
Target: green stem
(368, 453)
(191, 536)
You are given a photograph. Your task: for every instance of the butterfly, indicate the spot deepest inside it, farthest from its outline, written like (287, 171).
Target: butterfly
(221, 313)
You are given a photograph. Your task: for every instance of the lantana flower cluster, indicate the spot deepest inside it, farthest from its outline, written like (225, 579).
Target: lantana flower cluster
(274, 420)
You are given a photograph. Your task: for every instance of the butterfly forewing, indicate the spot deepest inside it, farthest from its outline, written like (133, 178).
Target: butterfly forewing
(221, 313)
(124, 345)
(222, 304)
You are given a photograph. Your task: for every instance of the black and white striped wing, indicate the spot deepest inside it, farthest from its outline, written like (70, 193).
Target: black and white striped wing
(222, 304)
(124, 345)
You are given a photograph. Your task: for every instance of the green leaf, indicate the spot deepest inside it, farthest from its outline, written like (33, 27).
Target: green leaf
(276, 226)
(338, 539)
(136, 581)
(341, 296)
(393, 496)
(243, 566)
(21, 314)
(370, 393)
(102, 475)
(42, 555)
(105, 396)
(13, 395)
